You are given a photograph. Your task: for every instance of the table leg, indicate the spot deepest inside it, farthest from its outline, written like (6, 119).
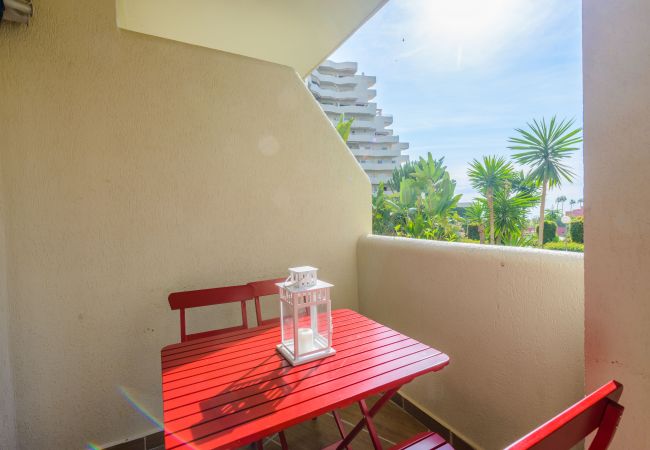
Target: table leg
(339, 425)
(283, 441)
(368, 414)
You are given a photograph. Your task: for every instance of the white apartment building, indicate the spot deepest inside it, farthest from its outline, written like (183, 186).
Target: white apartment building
(339, 90)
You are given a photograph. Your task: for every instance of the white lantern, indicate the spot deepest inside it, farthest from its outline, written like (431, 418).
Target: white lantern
(305, 316)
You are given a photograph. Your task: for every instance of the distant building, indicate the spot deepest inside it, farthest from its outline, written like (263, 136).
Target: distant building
(576, 212)
(339, 90)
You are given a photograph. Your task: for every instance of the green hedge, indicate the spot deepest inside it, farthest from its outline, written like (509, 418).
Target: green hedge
(472, 232)
(569, 246)
(577, 229)
(550, 230)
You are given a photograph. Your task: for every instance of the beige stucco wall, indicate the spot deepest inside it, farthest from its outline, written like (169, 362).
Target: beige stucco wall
(7, 406)
(134, 166)
(617, 219)
(510, 319)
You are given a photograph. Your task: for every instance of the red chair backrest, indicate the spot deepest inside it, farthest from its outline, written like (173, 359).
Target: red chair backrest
(261, 289)
(207, 297)
(599, 410)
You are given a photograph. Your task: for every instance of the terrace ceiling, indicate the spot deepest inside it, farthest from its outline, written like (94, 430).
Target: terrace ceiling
(295, 33)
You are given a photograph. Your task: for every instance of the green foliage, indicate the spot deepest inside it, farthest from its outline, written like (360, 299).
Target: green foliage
(519, 182)
(520, 240)
(344, 127)
(491, 173)
(510, 213)
(381, 220)
(424, 205)
(550, 231)
(554, 215)
(472, 232)
(577, 229)
(399, 174)
(489, 177)
(544, 148)
(565, 246)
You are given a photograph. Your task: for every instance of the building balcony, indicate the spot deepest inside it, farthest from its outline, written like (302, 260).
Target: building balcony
(370, 109)
(358, 94)
(325, 80)
(373, 138)
(373, 165)
(389, 153)
(376, 123)
(341, 67)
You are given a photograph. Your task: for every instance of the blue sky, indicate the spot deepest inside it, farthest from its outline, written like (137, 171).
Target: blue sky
(458, 76)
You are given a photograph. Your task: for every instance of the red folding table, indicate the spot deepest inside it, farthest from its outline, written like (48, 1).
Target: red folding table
(230, 390)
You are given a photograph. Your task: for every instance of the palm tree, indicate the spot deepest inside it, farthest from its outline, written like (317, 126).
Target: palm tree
(475, 215)
(580, 202)
(510, 210)
(487, 177)
(572, 204)
(544, 147)
(561, 199)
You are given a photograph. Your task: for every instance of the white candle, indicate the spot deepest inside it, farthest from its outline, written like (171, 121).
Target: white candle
(305, 340)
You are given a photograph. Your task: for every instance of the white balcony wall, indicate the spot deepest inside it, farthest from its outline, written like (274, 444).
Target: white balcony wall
(370, 108)
(391, 153)
(616, 49)
(361, 93)
(377, 122)
(344, 66)
(367, 137)
(7, 404)
(372, 164)
(343, 80)
(134, 166)
(511, 320)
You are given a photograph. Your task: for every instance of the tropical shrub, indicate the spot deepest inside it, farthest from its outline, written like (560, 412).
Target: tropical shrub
(344, 127)
(472, 233)
(423, 206)
(550, 230)
(520, 240)
(565, 246)
(577, 229)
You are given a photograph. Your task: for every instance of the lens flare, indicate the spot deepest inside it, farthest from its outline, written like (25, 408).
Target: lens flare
(139, 407)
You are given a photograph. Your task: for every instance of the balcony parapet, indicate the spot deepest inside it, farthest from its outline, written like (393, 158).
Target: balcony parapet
(509, 318)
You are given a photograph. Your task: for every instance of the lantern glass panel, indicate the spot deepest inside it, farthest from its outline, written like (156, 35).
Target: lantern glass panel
(287, 322)
(322, 325)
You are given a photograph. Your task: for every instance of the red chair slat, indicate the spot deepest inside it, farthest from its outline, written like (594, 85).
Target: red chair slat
(264, 288)
(208, 297)
(598, 410)
(427, 440)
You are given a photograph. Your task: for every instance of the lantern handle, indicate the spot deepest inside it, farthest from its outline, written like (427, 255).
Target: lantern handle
(287, 283)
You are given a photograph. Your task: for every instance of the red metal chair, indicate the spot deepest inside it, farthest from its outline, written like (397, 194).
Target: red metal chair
(597, 411)
(207, 297)
(220, 296)
(264, 288)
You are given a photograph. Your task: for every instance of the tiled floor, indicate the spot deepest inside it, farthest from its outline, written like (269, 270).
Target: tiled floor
(393, 425)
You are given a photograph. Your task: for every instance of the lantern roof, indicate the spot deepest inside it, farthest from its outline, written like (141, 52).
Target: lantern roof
(292, 288)
(302, 269)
